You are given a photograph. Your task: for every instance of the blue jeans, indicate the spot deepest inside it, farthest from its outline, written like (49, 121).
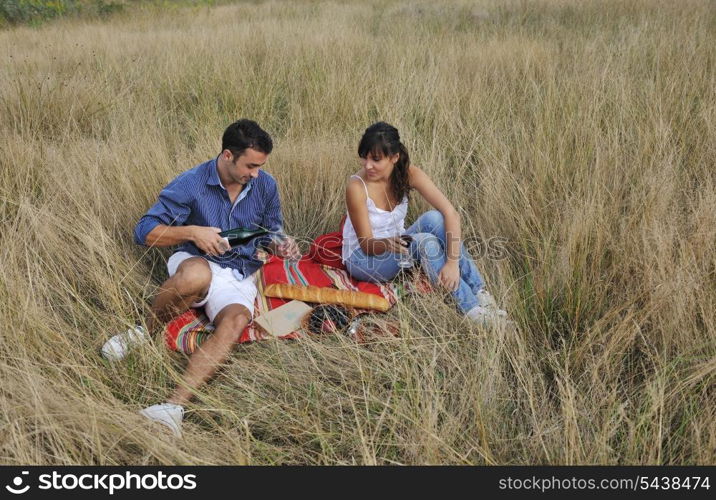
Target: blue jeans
(428, 247)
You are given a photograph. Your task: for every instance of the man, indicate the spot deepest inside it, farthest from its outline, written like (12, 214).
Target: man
(226, 192)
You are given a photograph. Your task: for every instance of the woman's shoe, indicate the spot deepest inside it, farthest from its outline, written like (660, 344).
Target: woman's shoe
(487, 316)
(486, 311)
(485, 299)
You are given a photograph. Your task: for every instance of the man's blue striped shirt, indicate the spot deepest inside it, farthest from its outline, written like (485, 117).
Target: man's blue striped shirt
(197, 197)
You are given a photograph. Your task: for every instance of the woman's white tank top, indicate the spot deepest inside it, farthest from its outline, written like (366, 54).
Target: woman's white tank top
(383, 223)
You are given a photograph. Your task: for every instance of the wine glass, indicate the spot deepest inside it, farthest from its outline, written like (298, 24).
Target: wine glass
(281, 239)
(405, 260)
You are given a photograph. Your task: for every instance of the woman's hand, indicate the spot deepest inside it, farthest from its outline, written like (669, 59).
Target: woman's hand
(394, 244)
(449, 276)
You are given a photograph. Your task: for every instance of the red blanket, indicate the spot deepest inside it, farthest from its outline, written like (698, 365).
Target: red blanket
(186, 332)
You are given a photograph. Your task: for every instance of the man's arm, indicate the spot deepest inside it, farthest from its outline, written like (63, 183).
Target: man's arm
(172, 208)
(163, 224)
(167, 236)
(207, 239)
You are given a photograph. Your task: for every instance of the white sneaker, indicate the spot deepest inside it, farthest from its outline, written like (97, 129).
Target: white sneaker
(485, 298)
(488, 316)
(167, 414)
(117, 347)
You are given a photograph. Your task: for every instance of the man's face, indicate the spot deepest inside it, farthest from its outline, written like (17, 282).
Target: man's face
(245, 167)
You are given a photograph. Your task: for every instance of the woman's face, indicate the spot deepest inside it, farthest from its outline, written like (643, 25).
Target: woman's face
(378, 166)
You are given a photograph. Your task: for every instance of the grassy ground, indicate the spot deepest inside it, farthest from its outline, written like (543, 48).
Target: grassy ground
(580, 135)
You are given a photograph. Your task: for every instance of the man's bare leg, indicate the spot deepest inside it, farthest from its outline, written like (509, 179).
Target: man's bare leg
(190, 284)
(230, 322)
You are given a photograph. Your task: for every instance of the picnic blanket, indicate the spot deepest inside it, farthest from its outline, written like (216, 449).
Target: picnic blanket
(187, 331)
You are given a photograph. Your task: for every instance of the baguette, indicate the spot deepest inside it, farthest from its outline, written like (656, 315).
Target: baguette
(324, 295)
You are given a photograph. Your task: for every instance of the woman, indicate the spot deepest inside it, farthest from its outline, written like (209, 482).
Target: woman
(375, 242)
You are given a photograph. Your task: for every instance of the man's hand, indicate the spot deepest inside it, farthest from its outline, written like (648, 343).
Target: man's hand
(207, 239)
(449, 276)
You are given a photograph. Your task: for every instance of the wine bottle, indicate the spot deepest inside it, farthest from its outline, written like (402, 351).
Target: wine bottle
(241, 235)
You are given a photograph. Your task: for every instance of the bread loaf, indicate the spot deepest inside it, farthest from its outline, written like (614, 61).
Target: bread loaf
(323, 295)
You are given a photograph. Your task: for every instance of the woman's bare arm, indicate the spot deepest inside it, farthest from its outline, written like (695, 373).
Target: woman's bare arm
(450, 273)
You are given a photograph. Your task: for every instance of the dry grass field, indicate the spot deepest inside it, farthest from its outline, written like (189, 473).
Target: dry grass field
(582, 134)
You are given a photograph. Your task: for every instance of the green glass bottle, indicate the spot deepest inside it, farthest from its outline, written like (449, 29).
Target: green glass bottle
(241, 235)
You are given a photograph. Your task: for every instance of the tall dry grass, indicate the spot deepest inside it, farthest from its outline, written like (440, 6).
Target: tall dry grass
(581, 133)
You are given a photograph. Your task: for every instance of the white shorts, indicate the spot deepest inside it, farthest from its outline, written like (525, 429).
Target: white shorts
(224, 289)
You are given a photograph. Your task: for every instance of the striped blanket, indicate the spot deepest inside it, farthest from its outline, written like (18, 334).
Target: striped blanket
(187, 331)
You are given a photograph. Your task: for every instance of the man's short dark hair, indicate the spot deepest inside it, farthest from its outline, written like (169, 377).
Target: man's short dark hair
(244, 134)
